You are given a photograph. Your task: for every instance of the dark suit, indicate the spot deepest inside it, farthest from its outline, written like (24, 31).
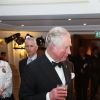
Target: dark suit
(22, 65)
(83, 73)
(40, 78)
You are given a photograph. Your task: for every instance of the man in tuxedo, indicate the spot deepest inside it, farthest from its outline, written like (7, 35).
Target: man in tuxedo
(49, 77)
(31, 48)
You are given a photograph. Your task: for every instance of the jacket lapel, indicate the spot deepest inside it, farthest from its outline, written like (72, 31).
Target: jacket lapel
(67, 72)
(51, 72)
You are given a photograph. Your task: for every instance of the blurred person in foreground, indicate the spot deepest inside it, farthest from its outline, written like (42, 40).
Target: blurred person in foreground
(5, 81)
(47, 77)
(31, 49)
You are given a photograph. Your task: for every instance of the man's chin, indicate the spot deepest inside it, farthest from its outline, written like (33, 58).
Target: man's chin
(63, 59)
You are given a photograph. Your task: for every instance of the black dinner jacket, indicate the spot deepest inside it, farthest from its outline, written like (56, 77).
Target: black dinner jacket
(40, 77)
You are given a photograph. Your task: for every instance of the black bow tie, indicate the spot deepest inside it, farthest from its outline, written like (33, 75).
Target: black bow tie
(60, 64)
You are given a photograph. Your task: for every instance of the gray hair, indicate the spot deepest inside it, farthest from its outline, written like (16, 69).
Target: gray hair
(54, 36)
(28, 38)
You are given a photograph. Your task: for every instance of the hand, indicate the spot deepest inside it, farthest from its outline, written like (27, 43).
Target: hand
(58, 93)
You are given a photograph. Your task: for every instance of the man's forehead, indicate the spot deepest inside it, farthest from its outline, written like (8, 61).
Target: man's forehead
(29, 42)
(68, 41)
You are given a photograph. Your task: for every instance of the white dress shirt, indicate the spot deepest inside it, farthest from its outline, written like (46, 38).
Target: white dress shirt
(59, 72)
(30, 59)
(5, 78)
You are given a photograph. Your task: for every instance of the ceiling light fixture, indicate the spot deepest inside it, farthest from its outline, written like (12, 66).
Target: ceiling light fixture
(22, 25)
(0, 21)
(69, 19)
(84, 24)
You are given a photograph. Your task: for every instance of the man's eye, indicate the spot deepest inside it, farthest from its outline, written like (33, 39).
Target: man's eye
(29, 46)
(66, 47)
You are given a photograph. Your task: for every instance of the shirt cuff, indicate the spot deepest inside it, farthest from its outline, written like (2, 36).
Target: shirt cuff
(47, 96)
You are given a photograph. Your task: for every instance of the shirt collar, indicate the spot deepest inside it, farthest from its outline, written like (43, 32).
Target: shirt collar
(48, 56)
(33, 57)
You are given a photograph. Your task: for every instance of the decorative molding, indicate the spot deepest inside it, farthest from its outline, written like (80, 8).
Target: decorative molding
(38, 1)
